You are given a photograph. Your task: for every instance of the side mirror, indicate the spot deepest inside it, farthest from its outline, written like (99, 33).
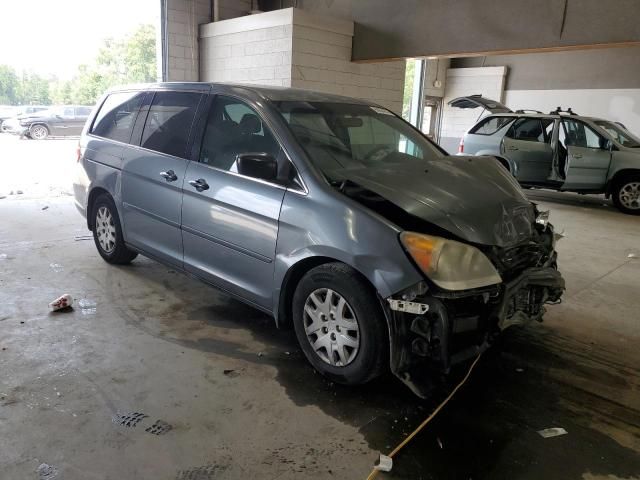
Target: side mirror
(257, 165)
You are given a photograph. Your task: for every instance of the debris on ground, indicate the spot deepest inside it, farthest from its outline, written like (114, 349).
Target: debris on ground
(287, 353)
(2, 196)
(633, 255)
(47, 472)
(79, 238)
(56, 267)
(260, 354)
(519, 370)
(385, 464)
(61, 303)
(87, 307)
(45, 207)
(228, 371)
(3, 256)
(19, 192)
(552, 432)
(439, 443)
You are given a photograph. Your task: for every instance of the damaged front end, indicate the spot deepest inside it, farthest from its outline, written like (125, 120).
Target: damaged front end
(433, 329)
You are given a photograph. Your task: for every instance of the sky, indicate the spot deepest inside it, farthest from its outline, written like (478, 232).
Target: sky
(55, 36)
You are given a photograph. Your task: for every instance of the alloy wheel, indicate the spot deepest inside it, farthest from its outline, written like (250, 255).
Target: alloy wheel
(331, 327)
(38, 132)
(629, 195)
(105, 229)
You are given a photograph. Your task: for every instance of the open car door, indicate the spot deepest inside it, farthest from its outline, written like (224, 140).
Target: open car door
(475, 101)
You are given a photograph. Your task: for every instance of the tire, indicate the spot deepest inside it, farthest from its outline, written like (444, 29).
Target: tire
(370, 356)
(107, 232)
(38, 132)
(626, 194)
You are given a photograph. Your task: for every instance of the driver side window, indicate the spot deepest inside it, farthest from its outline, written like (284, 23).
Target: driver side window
(369, 135)
(234, 128)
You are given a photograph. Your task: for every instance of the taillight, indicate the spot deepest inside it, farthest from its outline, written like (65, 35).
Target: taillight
(461, 146)
(78, 153)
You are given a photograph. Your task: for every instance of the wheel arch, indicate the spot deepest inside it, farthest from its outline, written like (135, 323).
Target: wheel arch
(620, 174)
(284, 315)
(93, 194)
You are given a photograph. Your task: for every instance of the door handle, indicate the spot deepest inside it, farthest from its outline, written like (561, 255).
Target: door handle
(199, 184)
(512, 148)
(169, 176)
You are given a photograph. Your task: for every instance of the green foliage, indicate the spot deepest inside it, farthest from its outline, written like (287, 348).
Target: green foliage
(119, 61)
(409, 73)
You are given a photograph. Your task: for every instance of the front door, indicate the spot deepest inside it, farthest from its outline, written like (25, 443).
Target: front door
(528, 145)
(230, 221)
(153, 174)
(61, 121)
(587, 155)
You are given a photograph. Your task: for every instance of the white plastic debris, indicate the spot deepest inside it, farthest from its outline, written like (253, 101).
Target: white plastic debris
(87, 307)
(552, 432)
(56, 267)
(385, 464)
(633, 255)
(64, 301)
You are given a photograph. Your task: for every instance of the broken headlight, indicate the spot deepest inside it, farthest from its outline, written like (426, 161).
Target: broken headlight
(449, 264)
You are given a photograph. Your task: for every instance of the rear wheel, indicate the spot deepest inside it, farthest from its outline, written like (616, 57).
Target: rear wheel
(340, 325)
(107, 232)
(626, 194)
(38, 132)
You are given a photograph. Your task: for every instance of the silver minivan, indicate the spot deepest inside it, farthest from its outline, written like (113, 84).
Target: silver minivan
(560, 150)
(331, 214)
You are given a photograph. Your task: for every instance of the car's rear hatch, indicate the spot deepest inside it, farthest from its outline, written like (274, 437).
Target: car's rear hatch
(475, 101)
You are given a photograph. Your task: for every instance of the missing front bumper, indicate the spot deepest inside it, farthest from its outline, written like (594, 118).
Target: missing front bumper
(453, 328)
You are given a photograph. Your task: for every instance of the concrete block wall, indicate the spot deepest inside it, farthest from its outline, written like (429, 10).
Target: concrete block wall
(322, 62)
(183, 18)
(293, 48)
(486, 81)
(256, 56)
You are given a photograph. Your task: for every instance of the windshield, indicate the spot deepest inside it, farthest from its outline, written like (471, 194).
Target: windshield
(619, 134)
(340, 136)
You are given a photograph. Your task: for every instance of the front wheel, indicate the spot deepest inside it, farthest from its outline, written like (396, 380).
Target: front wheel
(38, 132)
(626, 194)
(107, 232)
(340, 325)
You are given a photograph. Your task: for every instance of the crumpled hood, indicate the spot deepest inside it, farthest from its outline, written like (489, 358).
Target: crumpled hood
(474, 198)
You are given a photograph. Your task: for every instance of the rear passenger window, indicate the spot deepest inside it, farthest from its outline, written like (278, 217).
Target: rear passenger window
(169, 122)
(117, 115)
(527, 129)
(490, 125)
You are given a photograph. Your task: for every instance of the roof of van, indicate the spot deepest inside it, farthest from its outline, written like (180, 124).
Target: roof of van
(268, 92)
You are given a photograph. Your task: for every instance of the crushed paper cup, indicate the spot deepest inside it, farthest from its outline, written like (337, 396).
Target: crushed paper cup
(61, 302)
(385, 464)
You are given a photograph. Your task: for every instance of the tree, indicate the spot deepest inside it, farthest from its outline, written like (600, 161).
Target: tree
(409, 75)
(8, 86)
(33, 89)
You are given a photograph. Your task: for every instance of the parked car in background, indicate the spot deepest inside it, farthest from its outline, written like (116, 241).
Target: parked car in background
(332, 214)
(12, 114)
(560, 150)
(59, 121)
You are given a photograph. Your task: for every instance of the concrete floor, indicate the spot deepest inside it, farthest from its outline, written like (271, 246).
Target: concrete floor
(235, 397)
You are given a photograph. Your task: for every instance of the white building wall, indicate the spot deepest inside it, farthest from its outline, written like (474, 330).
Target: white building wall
(294, 48)
(486, 81)
(183, 18)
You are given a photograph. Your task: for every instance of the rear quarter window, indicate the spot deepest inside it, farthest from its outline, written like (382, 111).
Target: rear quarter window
(117, 115)
(491, 125)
